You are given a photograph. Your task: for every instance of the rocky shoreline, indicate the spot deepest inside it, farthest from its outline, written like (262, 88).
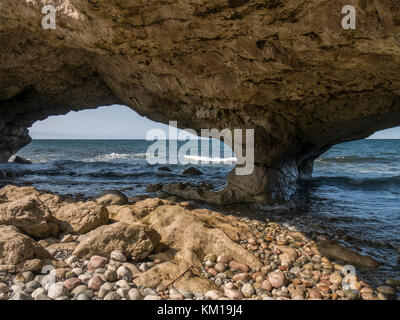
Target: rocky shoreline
(112, 248)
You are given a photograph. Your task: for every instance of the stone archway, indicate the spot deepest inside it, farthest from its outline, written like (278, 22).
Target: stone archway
(287, 70)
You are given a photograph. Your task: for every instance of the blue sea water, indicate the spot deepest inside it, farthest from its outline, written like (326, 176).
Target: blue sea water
(354, 193)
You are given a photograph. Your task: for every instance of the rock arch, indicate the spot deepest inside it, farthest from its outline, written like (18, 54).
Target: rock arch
(285, 68)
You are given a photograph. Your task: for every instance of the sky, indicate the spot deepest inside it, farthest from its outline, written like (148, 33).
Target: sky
(117, 122)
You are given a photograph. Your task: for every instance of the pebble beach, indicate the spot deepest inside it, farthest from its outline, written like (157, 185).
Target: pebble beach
(289, 267)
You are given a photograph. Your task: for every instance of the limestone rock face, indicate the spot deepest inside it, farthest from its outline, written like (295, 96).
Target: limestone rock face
(17, 250)
(30, 215)
(135, 241)
(286, 69)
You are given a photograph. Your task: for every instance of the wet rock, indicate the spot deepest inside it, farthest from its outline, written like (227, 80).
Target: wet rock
(336, 251)
(111, 197)
(192, 171)
(165, 169)
(393, 282)
(387, 291)
(352, 294)
(20, 160)
(154, 187)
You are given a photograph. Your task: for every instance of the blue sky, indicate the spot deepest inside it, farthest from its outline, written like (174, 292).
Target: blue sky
(116, 122)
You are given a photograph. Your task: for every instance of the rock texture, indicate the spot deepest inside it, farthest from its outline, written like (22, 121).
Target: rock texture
(41, 214)
(284, 68)
(134, 240)
(334, 250)
(81, 217)
(30, 215)
(17, 249)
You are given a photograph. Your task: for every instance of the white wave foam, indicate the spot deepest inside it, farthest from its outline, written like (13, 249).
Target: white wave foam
(115, 156)
(142, 155)
(213, 160)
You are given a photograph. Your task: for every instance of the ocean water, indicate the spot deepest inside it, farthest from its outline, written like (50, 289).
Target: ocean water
(354, 193)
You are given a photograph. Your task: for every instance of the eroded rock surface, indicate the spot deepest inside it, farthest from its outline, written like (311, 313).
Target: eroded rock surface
(284, 68)
(81, 217)
(17, 249)
(136, 241)
(188, 236)
(30, 215)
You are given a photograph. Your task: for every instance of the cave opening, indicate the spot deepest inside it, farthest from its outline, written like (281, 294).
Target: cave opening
(84, 152)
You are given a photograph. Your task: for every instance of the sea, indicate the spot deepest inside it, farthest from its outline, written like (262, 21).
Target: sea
(354, 194)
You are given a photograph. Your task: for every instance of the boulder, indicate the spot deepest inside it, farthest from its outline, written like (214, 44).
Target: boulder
(192, 171)
(11, 192)
(135, 241)
(80, 217)
(18, 251)
(30, 215)
(20, 160)
(334, 250)
(127, 214)
(154, 187)
(111, 197)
